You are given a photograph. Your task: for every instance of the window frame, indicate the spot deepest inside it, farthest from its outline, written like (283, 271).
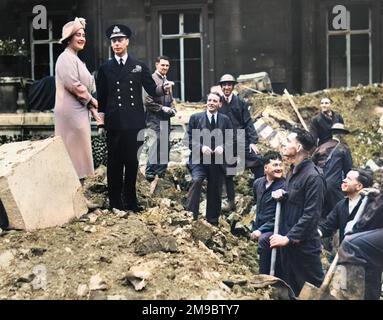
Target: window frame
(181, 36)
(348, 33)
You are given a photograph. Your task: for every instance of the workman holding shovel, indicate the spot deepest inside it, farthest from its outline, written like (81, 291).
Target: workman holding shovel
(301, 209)
(266, 207)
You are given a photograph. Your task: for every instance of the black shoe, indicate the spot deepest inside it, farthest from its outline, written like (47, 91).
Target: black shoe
(116, 204)
(213, 222)
(161, 175)
(150, 177)
(135, 208)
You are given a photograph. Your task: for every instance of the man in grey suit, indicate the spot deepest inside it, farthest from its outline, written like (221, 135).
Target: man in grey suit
(159, 110)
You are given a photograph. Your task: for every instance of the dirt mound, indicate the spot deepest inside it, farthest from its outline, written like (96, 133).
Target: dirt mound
(158, 254)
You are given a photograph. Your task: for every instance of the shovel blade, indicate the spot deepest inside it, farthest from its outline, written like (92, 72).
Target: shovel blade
(309, 292)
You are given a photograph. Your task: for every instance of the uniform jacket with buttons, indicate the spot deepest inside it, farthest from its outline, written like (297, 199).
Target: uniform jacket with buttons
(300, 213)
(119, 93)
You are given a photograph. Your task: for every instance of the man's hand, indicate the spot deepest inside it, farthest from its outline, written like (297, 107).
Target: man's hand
(206, 150)
(218, 150)
(367, 191)
(167, 85)
(253, 147)
(167, 109)
(278, 194)
(276, 240)
(255, 234)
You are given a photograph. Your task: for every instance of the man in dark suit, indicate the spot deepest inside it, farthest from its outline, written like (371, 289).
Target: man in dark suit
(237, 110)
(159, 110)
(119, 92)
(206, 133)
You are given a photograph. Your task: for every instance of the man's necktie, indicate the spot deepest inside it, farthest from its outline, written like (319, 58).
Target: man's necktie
(121, 63)
(212, 122)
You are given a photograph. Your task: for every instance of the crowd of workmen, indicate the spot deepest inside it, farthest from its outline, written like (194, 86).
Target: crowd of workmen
(320, 194)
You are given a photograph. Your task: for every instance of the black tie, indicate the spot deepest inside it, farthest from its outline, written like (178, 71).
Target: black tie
(121, 63)
(212, 122)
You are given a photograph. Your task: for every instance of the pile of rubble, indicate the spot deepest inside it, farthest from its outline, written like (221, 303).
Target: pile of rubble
(162, 253)
(158, 254)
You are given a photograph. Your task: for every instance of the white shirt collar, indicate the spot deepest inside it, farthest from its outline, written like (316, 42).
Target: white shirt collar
(124, 58)
(160, 75)
(229, 98)
(209, 115)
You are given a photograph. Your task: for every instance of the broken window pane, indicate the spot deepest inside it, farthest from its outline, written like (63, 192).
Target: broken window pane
(359, 59)
(192, 48)
(170, 23)
(337, 61)
(191, 22)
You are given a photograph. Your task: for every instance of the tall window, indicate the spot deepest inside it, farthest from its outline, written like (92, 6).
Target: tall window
(349, 60)
(45, 48)
(181, 41)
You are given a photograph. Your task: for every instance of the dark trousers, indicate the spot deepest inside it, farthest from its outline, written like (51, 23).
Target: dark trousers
(154, 165)
(122, 157)
(214, 175)
(366, 249)
(301, 263)
(230, 191)
(264, 252)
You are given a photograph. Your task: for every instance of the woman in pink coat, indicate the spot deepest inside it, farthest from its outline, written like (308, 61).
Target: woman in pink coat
(74, 85)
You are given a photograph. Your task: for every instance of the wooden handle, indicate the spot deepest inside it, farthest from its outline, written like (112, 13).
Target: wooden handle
(276, 231)
(295, 109)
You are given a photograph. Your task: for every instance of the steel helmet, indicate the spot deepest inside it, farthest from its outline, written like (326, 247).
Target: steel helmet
(227, 78)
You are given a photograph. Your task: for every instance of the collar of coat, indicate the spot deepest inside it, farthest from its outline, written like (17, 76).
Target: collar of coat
(300, 166)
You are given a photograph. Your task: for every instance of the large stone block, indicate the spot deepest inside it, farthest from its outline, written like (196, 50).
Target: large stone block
(39, 187)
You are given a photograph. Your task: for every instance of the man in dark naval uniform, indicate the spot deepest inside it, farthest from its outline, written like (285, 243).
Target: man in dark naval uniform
(119, 91)
(159, 110)
(321, 124)
(237, 110)
(300, 213)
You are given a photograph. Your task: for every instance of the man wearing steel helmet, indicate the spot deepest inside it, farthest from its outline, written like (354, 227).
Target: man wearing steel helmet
(237, 110)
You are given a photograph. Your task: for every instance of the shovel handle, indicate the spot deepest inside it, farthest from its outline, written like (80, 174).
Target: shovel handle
(276, 231)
